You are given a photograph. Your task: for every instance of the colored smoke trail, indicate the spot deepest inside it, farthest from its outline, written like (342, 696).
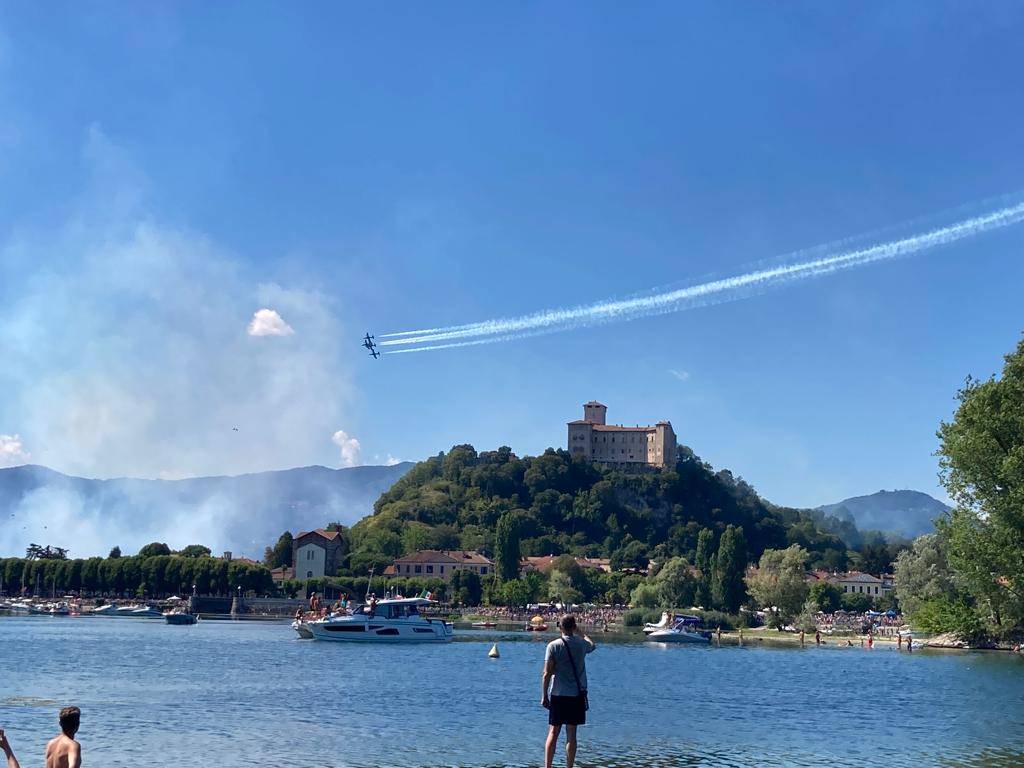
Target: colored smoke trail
(714, 291)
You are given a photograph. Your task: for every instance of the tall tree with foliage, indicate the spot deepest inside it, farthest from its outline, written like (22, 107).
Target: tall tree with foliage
(280, 555)
(506, 547)
(982, 468)
(779, 583)
(728, 588)
(704, 562)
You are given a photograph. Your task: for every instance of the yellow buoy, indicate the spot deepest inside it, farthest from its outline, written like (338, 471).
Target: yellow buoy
(493, 653)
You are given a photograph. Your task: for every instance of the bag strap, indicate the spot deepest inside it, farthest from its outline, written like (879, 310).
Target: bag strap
(572, 662)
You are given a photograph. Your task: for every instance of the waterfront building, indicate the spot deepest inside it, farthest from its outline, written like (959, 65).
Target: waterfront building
(317, 553)
(436, 564)
(631, 447)
(857, 583)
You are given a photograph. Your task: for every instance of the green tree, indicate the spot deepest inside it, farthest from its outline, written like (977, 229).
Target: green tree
(154, 549)
(704, 562)
(676, 584)
(982, 468)
(195, 550)
(115, 553)
(827, 597)
(779, 585)
(560, 587)
(728, 589)
(506, 547)
(281, 552)
(922, 574)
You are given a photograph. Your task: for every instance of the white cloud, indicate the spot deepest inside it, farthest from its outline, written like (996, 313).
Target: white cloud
(391, 461)
(12, 452)
(350, 448)
(681, 375)
(267, 322)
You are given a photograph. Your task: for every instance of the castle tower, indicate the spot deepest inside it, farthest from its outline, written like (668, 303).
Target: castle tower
(594, 412)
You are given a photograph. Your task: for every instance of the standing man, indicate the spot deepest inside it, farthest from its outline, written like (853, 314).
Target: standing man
(5, 747)
(63, 751)
(564, 688)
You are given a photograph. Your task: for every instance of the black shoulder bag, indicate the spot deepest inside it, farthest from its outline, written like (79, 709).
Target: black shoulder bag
(579, 686)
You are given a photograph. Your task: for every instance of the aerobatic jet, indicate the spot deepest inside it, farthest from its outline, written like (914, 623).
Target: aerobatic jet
(371, 346)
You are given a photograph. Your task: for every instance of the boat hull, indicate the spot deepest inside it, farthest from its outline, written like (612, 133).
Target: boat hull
(434, 631)
(677, 636)
(180, 619)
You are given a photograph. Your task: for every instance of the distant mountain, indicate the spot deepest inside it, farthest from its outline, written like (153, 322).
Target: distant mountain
(243, 514)
(907, 513)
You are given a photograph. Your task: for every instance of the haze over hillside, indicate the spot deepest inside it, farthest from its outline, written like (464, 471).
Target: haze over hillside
(242, 513)
(908, 513)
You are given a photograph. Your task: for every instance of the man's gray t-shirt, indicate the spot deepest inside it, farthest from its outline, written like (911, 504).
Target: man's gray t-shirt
(564, 683)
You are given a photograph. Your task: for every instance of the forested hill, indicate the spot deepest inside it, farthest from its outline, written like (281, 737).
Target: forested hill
(905, 513)
(567, 505)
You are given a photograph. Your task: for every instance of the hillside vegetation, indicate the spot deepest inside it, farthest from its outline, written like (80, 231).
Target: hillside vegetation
(565, 505)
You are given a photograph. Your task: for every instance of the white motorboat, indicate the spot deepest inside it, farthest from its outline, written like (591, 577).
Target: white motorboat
(128, 612)
(665, 623)
(684, 630)
(389, 621)
(104, 610)
(302, 628)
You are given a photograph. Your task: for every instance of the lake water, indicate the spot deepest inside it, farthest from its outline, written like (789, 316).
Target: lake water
(238, 693)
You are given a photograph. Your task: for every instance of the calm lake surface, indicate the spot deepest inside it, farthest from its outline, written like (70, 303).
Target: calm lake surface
(237, 693)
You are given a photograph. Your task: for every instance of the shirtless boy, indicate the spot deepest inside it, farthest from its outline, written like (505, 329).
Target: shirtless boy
(63, 751)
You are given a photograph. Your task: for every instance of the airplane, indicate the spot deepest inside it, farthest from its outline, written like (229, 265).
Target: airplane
(371, 346)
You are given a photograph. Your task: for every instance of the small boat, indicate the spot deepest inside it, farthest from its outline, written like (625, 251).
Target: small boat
(537, 625)
(180, 618)
(389, 621)
(105, 610)
(686, 629)
(483, 624)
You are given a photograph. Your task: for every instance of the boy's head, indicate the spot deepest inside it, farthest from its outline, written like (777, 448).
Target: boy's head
(69, 720)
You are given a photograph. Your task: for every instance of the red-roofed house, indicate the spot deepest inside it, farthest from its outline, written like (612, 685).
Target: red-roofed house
(317, 553)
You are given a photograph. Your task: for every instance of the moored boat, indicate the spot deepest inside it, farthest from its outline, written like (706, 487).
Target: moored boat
(665, 623)
(686, 629)
(302, 628)
(180, 618)
(388, 621)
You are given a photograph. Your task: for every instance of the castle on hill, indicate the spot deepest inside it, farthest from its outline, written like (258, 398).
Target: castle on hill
(613, 444)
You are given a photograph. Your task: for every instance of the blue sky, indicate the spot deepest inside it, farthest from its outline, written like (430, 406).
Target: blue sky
(165, 172)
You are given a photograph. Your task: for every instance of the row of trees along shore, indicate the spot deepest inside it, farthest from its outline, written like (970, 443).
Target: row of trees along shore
(154, 572)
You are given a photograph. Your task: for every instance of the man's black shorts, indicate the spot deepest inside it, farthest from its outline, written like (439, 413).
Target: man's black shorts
(567, 710)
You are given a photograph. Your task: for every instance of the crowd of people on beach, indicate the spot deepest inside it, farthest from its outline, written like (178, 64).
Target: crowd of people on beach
(601, 617)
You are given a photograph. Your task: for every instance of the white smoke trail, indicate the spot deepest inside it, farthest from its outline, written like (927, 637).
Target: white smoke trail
(715, 291)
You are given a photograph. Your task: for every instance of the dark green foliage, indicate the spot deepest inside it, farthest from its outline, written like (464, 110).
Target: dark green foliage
(728, 589)
(465, 588)
(281, 554)
(195, 550)
(705, 564)
(154, 549)
(982, 462)
(828, 597)
(565, 505)
(856, 603)
(115, 552)
(154, 576)
(506, 547)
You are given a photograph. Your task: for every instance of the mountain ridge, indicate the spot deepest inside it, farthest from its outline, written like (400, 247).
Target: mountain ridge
(905, 512)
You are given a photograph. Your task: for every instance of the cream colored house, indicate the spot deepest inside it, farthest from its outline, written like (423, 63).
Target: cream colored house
(434, 564)
(857, 583)
(593, 439)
